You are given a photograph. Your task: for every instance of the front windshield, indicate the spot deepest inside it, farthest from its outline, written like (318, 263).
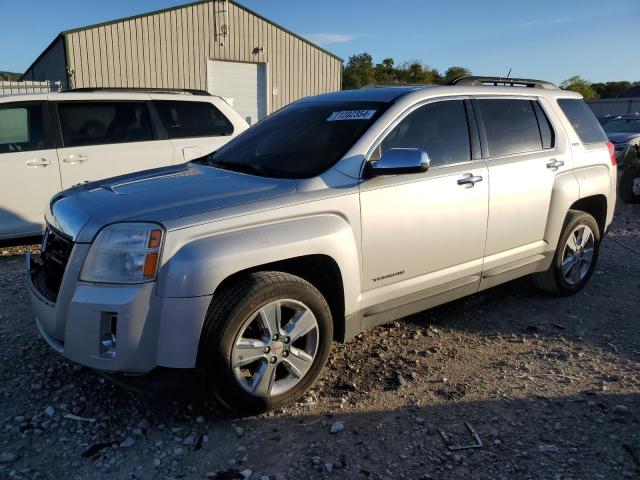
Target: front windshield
(300, 141)
(623, 125)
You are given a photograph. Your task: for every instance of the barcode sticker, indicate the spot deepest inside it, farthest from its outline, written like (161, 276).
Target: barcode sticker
(351, 115)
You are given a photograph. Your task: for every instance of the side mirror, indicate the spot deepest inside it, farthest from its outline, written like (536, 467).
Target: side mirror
(400, 160)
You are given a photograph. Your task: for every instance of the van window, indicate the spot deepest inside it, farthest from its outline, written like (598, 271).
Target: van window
(183, 119)
(99, 123)
(510, 125)
(583, 120)
(21, 128)
(438, 128)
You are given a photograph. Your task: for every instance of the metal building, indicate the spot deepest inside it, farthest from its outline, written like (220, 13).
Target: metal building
(215, 45)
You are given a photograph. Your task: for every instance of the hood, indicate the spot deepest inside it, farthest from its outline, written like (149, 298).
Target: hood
(624, 137)
(158, 195)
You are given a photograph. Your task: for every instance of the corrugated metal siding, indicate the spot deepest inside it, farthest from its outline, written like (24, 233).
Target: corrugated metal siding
(170, 49)
(51, 66)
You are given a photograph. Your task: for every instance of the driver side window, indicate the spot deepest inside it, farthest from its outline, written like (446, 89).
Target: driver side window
(438, 128)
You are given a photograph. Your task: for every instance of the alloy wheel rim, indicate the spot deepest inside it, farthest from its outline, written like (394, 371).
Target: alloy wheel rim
(578, 255)
(275, 348)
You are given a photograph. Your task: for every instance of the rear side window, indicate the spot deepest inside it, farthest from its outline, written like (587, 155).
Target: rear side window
(21, 128)
(583, 120)
(438, 128)
(99, 123)
(511, 126)
(192, 119)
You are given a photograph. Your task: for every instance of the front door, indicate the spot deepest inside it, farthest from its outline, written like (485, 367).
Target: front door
(29, 174)
(423, 234)
(104, 139)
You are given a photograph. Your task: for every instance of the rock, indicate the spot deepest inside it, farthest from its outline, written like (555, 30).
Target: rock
(178, 451)
(264, 477)
(190, 440)
(241, 449)
(200, 420)
(144, 424)
(548, 449)
(246, 474)
(49, 411)
(337, 427)
(7, 457)
(620, 409)
(329, 467)
(156, 462)
(128, 442)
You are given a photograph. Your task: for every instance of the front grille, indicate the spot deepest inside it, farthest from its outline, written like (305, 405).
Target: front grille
(54, 255)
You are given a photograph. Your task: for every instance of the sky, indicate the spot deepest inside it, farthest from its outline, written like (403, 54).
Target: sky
(546, 39)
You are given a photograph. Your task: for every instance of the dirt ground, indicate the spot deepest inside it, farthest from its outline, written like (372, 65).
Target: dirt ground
(550, 385)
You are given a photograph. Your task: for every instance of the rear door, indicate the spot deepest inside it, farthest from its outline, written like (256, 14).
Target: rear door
(106, 138)
(29, 174)
(524, 154)
(195, 127)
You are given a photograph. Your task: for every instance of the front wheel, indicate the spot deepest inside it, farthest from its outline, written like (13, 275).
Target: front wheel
(575, 257)
(265, 340)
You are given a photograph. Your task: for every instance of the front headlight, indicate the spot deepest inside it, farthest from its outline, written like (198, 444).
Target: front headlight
(124, 253)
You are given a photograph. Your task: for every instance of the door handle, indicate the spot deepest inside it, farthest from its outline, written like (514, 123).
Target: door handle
(469, 180)
(73, 159)
(554, 164)
(39, 163)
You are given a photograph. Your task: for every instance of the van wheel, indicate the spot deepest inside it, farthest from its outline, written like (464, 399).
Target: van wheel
(629, 174)
(265, 340)
(575, 257)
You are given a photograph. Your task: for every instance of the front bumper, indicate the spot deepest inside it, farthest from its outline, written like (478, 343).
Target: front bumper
(149, 331)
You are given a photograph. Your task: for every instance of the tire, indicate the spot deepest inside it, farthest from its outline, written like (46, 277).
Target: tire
(626, 184)
(239, 318)
(553, 280)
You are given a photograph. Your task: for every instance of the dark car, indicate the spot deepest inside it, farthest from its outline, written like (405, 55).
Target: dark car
(624, 132)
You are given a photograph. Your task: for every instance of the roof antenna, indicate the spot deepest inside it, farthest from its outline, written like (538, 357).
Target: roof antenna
(509, 74)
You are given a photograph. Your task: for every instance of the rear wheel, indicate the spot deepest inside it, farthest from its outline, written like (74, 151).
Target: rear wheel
(266, 338)
(575, 257)
(627, 179)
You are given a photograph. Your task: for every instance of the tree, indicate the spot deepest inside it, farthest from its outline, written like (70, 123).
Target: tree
(385, 72)
(358, 72)
(580, 85)
(455, 72)
(415, 71)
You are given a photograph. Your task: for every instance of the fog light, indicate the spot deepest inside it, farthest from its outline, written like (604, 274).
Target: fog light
(108, 327)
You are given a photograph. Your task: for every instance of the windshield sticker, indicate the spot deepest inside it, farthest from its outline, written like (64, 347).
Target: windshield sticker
(351, 115)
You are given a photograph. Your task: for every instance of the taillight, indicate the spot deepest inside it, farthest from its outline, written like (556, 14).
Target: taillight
(612, 153)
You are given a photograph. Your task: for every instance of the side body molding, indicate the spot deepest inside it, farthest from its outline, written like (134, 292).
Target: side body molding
(197, 266)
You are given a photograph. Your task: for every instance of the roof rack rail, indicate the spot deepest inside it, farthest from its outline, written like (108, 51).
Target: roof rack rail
(189, 91)
(501, 81)
(397, 84)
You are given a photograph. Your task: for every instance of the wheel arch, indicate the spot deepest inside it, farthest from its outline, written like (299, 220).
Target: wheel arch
(320, 270)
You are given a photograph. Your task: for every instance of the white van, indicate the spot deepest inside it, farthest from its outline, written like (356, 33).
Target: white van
(51, 142)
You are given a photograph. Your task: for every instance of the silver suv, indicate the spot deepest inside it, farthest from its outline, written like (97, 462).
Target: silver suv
(338, 213)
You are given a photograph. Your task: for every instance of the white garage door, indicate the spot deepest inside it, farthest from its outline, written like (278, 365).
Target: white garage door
(243, 85)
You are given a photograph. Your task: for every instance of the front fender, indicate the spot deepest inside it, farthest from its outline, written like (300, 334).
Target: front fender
(199, 266)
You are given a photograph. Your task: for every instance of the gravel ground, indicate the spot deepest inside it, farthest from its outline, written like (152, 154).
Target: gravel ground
(551, 385)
